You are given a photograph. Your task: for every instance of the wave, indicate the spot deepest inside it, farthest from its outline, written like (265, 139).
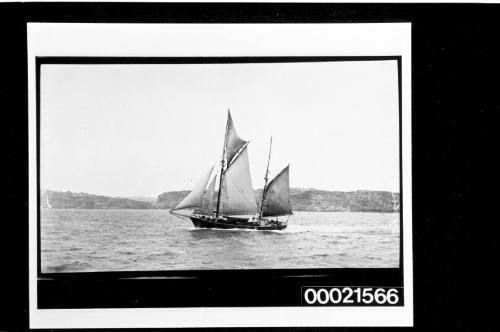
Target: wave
(168, 252)
(147, 242)
(126, 252)
(325, 229)
(336, 229)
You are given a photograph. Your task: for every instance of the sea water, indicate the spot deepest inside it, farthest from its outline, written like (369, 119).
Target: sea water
(79, 240)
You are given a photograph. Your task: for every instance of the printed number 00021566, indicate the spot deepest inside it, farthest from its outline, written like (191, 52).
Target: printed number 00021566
(350, 296)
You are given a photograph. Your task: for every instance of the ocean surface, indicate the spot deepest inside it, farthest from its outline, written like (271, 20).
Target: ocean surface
(141, 240)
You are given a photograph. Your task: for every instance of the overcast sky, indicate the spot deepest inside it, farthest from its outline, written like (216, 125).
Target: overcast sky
(140, 130)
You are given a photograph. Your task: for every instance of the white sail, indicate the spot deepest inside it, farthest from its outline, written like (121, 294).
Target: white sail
(207, 203)
(237, 197)
(277, 196)
(195, 197)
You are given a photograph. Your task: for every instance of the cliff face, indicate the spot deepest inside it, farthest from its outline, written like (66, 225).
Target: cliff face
(315, 200)
(302, 200)
(170, 199)
(70, 200)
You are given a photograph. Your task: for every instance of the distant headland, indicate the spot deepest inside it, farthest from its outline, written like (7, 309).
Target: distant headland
(303, 199)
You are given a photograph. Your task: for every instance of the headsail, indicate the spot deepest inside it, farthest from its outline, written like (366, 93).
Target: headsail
(194, 198)
(207, 203)
(277, 195)
(233, 142)
(237, 197)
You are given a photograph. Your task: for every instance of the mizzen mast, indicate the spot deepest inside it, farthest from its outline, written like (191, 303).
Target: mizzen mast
(266, 177)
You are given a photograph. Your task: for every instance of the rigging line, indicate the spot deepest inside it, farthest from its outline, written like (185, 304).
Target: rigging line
(237, 155)
(178, 215)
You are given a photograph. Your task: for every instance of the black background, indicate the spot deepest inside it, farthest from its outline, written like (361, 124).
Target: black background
(454, 111)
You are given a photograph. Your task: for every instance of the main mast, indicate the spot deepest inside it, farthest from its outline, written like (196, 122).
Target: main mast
(222, 167)
(266, 177)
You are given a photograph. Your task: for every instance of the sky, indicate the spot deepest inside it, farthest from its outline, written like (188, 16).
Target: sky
(141, 130)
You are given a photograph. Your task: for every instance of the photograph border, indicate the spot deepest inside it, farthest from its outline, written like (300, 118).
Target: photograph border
(54, 60)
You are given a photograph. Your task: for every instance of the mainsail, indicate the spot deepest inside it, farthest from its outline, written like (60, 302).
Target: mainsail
(207, 203)
(237, 197)
(233, 142)
(194, 198)
(277, 195)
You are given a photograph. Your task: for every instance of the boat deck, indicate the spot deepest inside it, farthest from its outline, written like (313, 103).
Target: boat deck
(234, 223)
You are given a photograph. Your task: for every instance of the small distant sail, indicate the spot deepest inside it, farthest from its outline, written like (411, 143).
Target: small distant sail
(237, 197)
(48, 203)
(194, 198)
(233, 142)
(207, 203)
(277, 195)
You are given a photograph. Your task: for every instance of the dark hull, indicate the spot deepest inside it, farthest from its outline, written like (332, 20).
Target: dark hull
(199, 222)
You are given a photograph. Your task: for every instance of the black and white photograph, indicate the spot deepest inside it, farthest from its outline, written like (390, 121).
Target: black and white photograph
(219, 170)
(273, 165)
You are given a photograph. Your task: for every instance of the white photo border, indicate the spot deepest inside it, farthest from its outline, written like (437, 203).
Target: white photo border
(205, 40)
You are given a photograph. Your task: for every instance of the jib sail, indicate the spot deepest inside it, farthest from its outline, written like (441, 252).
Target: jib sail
(195, 197)
(207, 203)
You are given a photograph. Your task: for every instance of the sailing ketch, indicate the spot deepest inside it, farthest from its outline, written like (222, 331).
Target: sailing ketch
(235, 205)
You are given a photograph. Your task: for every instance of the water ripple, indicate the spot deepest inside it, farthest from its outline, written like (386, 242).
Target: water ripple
(127, 240)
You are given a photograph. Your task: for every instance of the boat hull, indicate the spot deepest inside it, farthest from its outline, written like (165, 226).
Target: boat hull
(200, 222)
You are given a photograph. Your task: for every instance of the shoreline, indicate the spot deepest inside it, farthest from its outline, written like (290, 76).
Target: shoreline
(162, 209)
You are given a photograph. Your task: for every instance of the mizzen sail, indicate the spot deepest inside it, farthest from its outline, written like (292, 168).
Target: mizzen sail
(277, 195)
(233, 142)
(237, 197)
(195, 197)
